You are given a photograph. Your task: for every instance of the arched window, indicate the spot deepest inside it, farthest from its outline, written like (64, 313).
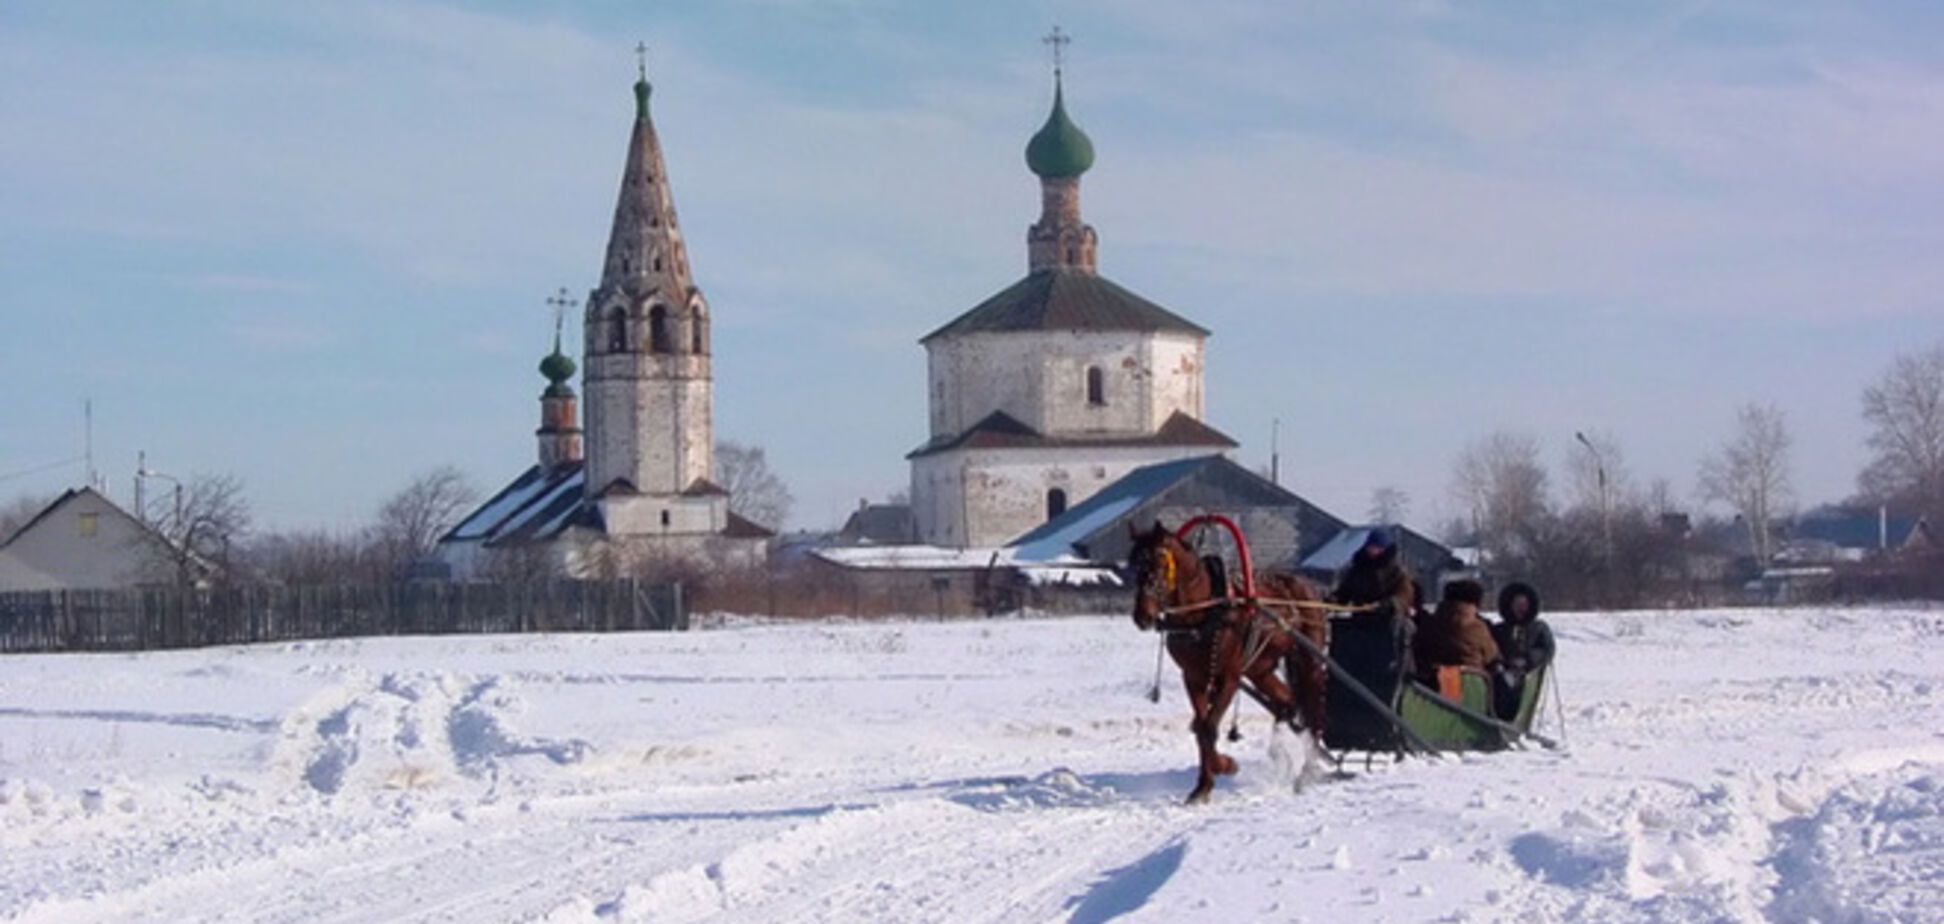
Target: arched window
(698, 334)
(1096, 387)
(658, 339)
(617, 330)
(1055, 502)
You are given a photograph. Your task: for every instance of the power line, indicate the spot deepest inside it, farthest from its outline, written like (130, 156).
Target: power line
(45, 466)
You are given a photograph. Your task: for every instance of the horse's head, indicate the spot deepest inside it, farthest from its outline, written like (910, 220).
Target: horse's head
(1161, 564)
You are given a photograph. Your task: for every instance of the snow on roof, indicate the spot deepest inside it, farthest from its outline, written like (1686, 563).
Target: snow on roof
(550, 493)
(1064, 569)
(1056, 537)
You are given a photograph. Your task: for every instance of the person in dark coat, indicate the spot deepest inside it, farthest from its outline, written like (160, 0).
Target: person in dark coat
(1454, 635)
(1375, 578)
(1525, 642)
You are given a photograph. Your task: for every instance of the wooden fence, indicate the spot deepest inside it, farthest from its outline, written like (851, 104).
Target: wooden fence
(142, 619)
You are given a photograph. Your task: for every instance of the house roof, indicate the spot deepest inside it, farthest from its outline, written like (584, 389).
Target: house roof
(1335, 555)
(1860, 530)
(881, 524)
(1206, 482)
(999, 430)
(1066, 299)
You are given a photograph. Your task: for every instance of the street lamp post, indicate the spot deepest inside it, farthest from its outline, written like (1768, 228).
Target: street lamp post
(1606, 500)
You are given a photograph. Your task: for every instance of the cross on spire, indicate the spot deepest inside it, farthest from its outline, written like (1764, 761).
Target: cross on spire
(641, 59)
(1057, 40)
(559, 302)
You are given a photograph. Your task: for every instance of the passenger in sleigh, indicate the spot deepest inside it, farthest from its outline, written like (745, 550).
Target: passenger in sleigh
(1525, 643)
(1376, 579)
(1453, 635)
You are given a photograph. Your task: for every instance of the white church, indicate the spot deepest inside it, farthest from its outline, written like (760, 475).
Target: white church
(643, 491)
(1059, 384)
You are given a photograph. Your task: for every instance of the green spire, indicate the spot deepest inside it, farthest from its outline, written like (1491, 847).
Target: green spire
(641, 88)
(1059, 150)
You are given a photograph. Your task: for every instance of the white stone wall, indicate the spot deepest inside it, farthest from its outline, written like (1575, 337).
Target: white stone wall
(648, 420)
(988, 497)
(1040, 378)
(651, 515)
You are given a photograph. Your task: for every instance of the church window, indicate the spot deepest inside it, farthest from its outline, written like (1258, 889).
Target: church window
(1096, 387)
(658, 339)
(664, 519)
(699, 335)
(617, 330)
(657, 264)
(1056, 502)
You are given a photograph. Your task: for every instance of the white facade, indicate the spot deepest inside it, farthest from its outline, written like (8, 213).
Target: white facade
(1041, 379)
(983, 498)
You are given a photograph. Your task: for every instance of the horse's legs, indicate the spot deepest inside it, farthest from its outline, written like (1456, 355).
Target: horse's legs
(1208, 721)
(1194, 678)
(1312, 677)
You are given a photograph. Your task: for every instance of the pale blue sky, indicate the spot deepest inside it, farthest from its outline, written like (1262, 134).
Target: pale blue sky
(309, 243)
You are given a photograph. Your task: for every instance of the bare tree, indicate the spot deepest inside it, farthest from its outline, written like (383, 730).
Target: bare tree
(1750, 473)
(411, 521)
(755, 492)
(1389, 504)
(1500, 482)
(210, 519)
(1905, 410)
(312, 557)
(15, 513)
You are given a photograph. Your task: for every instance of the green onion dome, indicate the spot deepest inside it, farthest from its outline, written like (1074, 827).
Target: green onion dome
(557, 367)
(1059, 150)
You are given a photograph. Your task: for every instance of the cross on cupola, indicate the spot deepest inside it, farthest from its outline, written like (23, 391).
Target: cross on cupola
(1058, 41)
(1058, 153)
(641, 60)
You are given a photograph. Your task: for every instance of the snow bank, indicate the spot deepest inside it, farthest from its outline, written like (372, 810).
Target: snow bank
(1722, 766)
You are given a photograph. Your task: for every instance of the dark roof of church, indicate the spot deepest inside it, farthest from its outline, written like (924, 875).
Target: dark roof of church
(1066, 299)
(1000, 430)
(544, 502)
(537, 505)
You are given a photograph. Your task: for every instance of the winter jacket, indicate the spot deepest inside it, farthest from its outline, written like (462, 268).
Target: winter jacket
(1381, 580)
(1453, 635)
(1525, 644)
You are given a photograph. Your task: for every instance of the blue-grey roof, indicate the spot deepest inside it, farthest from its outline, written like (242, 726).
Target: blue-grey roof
(1335, 554)
(1858, 530)
(1058, 536)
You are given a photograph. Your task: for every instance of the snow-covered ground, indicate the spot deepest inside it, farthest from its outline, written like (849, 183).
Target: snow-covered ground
(1720, 766)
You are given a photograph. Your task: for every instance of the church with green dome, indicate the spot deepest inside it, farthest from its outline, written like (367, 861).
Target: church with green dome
(1057, 385)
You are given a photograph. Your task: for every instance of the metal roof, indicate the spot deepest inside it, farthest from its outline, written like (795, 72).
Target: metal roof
(1000, 430)
(1066, 299)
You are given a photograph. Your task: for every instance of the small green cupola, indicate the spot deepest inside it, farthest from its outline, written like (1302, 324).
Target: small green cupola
(1059, 150)
(557, 367)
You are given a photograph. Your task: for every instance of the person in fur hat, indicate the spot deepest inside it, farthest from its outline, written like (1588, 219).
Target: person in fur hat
(1376, 578)
(1525, 642)
(1454, 635)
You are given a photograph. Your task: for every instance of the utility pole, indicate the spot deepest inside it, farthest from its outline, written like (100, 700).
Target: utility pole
(1275, 451)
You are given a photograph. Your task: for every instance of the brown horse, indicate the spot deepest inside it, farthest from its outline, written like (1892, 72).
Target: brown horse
(1219, 648)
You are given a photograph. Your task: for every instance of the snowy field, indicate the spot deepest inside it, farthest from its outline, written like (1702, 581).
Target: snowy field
(1720, 766)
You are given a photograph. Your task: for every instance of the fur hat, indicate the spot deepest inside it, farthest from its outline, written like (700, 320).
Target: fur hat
(1464, 591)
